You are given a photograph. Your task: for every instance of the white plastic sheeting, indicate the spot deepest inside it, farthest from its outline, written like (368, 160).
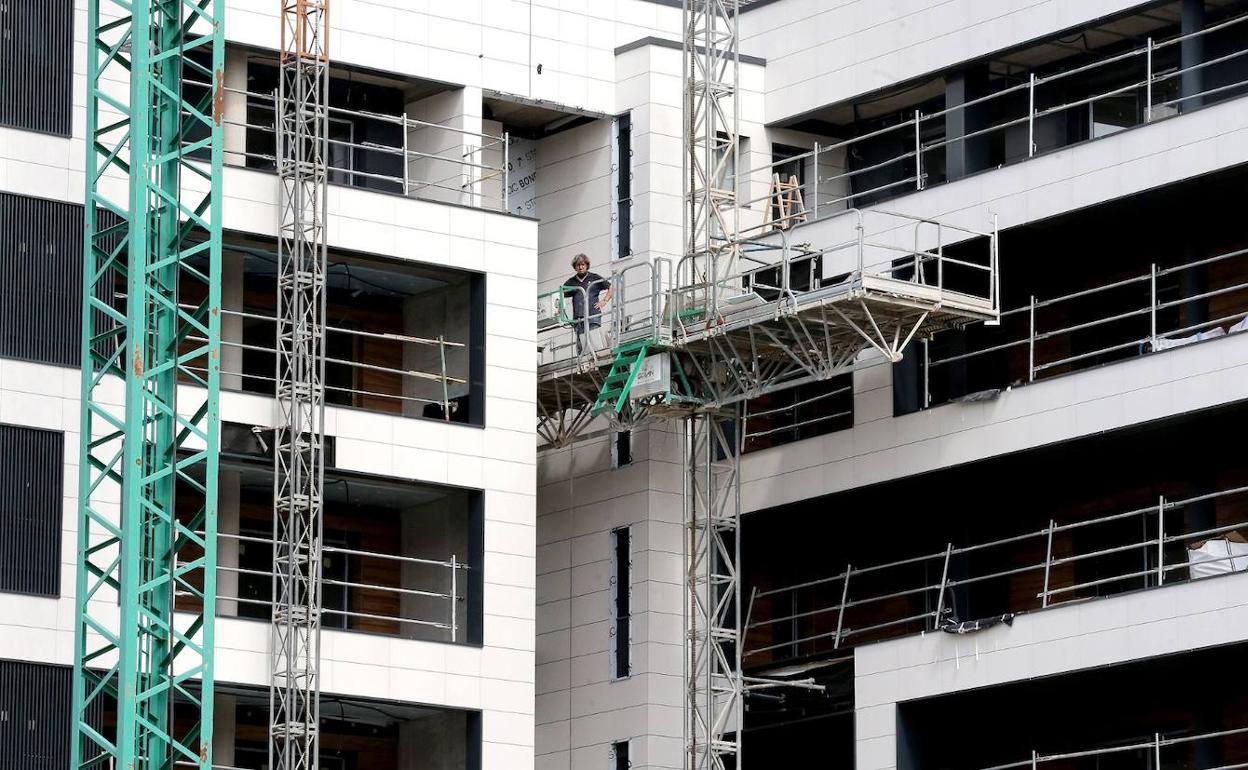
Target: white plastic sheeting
(1217, 557)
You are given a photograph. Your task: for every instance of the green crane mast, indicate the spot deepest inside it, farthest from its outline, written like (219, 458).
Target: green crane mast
(150, 371)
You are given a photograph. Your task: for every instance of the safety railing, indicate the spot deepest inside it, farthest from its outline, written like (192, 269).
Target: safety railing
(661, 300)
(1123, 318)
(919, 593)
(1150, 752)
(821, 194)
(438, 162)
(450, 603)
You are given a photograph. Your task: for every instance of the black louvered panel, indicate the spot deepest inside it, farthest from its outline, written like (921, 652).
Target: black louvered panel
(31, 471)
(36, 65)
(36, 707)
(41, 295)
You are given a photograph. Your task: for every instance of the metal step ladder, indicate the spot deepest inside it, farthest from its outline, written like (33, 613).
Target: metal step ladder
(614, 392)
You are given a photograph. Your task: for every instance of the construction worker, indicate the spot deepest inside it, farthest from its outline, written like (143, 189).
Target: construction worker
(586, 288)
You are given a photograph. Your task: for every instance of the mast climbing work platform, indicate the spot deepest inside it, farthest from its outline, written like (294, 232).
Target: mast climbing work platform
(794, 314)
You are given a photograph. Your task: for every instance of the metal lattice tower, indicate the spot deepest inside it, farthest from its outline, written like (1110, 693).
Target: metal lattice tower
(713, 502)
(299, 463)
(711, 67)
(712, 518)
(151, 322)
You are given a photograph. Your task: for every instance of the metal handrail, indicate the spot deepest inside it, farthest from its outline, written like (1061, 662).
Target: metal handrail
(1154, 574)
(1155, 745)
(913, 125)
(1033, 334)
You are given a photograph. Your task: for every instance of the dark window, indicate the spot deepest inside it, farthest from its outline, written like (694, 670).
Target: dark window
(36, 715)
(622, 576)
(622, 449)
(624, 185)
(31, 463)
(36, 65)
(619, 751)
(41, 295)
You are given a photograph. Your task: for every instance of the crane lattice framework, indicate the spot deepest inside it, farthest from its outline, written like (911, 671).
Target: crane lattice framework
(151, 327)
(714, 690)
(299, 461)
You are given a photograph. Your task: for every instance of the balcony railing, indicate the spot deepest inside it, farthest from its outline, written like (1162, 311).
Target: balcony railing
(463, 166)
(827, 193)
(862, 603)
(1145, 321)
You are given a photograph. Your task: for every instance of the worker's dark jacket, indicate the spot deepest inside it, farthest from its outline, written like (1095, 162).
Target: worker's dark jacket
(582, 289)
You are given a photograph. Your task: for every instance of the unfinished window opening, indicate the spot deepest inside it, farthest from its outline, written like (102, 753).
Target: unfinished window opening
(793, 414)
(399, 558)
(621, 602)
(350, 134)
(1135, 509)
(619, 756)
(402, 338)
(356, 733)
(1125, 716)
(621, 449)
(622, 171)
(1123, 291)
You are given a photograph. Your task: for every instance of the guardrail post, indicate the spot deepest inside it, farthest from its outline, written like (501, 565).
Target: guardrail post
(1157, 751)
(454, 597)
(1161, 540)
(1152, 306)
(944, 578)
(1035, 760)
(927, 380)
(840, 615)
(406, 160)
(1031, 342)
(1148, 81)
(446, 394)
(505, 196)
(1048, 565)
(918, 151)
(1031, 115)
(815, 192)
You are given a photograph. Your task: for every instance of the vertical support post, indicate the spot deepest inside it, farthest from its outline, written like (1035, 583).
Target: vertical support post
(1035, 759)
(918, 151)
(505, 203)
(1031, 340)
(1152, 306)
(927, 379)
(1031, 115)
(840, 615)
(1048, 564)
(446, 395)
(1156, 751)
(1161, 540)
(407, 161)
(1148, 81)
(454, 598)
(150, 239)
(944, 579)
(814, 193)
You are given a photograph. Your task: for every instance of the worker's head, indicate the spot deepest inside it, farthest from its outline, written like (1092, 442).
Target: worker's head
(580, 263)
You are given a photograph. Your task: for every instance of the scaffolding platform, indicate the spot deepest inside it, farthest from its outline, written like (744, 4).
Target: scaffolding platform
(793, 314)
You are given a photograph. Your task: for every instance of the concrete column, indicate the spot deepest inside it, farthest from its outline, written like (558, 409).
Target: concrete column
(235, 136)
(438, 166)
(223, 722)
(229, 492)
(231, 325)
(1191, 53)
(971, 155)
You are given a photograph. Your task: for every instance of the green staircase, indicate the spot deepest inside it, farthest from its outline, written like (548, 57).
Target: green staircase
(614, 391)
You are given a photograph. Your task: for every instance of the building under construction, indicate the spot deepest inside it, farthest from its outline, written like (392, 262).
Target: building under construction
(903, 437)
